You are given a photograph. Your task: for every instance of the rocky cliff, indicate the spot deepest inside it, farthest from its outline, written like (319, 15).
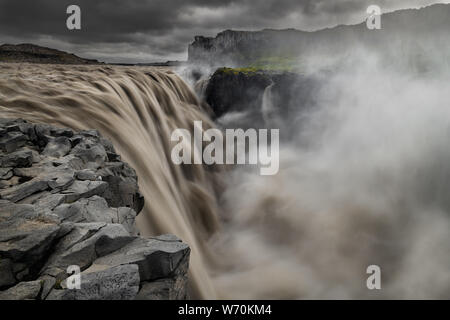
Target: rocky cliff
(36, 54)
(67, 199)
(404, 34)
(259, 94)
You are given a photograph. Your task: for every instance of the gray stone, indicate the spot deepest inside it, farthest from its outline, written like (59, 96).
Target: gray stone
(60, 180)
(116, 283)
(6, 173)
(127, 218)
(70, 161)
(14, 181)
(167, 237)
(12, 141)
(123, 190)
(86, 242)
(92, 153)
(50, 201)
(23, 190)
(84, 189)
(74, 212)
(48, 283)
(34, 197)
(22, 291)
(96, 209)
(155, 258)
(68, 206)
(86, 175)
(57, 147)
(30, 172)
(43, 134)
(90, 133)
(65, 132)
(10, 210)
(22, 158)
(6, 274)
(164, 289)
(113, 157)
(26, 240)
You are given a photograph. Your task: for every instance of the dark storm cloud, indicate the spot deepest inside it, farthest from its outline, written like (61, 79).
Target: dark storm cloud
(143, 30)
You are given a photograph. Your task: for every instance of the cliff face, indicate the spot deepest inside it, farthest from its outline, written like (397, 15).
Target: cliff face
(234, 47)
(260, 96)
(225, 42)
(67, 199)
(403, 32)
(229, 90)
(35, 54)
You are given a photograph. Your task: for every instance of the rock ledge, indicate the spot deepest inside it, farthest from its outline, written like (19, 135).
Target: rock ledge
(67, 199)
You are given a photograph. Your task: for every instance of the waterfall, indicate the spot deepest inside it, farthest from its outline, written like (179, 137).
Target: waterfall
(267, 108)
(137, 109)
(270, 113)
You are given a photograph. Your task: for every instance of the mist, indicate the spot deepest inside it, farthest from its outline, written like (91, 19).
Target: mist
(363, 181)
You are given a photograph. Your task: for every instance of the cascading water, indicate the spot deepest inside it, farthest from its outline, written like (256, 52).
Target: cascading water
(267, 108)
(137, 110)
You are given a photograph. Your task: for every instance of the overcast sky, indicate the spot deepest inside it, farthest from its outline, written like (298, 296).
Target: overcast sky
(160, 30)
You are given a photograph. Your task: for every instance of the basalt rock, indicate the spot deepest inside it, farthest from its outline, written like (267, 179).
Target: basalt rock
(66, 199)
(244, 92)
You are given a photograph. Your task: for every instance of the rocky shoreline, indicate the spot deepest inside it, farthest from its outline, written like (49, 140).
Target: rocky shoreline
(67, 199)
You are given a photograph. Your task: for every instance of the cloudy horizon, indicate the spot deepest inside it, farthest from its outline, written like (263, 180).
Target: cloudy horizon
(159, 30)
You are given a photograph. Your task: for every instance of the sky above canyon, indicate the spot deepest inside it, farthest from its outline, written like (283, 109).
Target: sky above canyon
(159, 30)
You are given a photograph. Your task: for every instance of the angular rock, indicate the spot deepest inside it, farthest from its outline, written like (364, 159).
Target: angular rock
(123, 190)
(6, 273)
(126, 217)
(164, 289)
(43, 134)
(86, 242)
(6, 173)
(64, 132)
(96, 209)
(86, 174)
(156, 258)
(84, 189)
(50, 201)
(116, 283)
(60, 180)
(26, 241)
(9, 183)
(22, 158)
(58, 147)
(10, 210)
(93, 154)
(22, 291)
(23, 190)
(70, 161)
(48, 283)
(30, 172)
(12, 141)
(62, 203)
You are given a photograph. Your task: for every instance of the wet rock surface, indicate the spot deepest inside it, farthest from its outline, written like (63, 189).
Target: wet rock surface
(66, 199)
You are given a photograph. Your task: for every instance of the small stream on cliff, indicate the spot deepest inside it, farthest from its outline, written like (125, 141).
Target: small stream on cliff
(364, 182)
